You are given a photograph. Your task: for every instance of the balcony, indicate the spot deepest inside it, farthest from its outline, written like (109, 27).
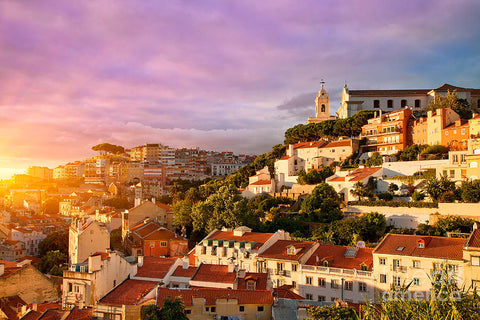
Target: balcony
(285, 273)
(398, 268)
(338, 271)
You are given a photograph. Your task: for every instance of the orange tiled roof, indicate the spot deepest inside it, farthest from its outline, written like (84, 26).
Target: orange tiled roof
(79, 314)
(214, 273)
(31, 315)
(335, 255)
(335, 144)
(9, 304)
(10, 267)
(261, 183)
(130, 292)
(435, 247)
(155, 267)
(337, 179)
(180, 272)
(279, 249)
(310, 144)
(285, 158)
(474, 239)
(164, 206)
(211, 295)
(362, 173)
(259, 237)
(260, 280)
(286, 292)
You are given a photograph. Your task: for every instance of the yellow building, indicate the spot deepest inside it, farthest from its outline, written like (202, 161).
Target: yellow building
(401, 260)
(471, 258)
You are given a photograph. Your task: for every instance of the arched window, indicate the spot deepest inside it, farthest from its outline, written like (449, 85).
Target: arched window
(323, 108)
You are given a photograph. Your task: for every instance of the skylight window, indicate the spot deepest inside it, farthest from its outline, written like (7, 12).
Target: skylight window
(400, 248)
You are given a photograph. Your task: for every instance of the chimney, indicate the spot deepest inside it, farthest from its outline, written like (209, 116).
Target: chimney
(140, 261)
(290, 150)
(241, 273)
(2, 269)
(231, 267)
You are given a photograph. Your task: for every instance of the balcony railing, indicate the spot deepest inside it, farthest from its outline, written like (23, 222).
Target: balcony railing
(329, 270)
(285, 273)
(398, 268)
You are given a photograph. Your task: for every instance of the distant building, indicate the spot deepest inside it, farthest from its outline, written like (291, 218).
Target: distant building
(354, 101)
(344, 181)
(43, 173)
(30, 236)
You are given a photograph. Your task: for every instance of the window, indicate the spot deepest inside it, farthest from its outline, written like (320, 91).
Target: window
(416, 263)
(396, 263)
(403, 103)
(308, 280)
(376, 104)
(475, 260)
(70, 287)
(213, 309)
(349, 285)
(321, 298)
(152, 244)
(417, 103)
(294, 284)
(294, 267)
(362, 287)
(188, 311)
(421, 244)
(381, 261)
(453, 268)
(452, 173)
(416, 281)
(446, 132)
(309, 296)
(207, 309)
(163, 243)
(463, 131)
(260, 308)
(334, 284)
(241, 308)
(321, 282)
(389, 103)
(396, 280)
(383, 278)
(279, 266)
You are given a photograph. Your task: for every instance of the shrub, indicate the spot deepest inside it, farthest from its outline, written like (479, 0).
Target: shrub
(386, 196)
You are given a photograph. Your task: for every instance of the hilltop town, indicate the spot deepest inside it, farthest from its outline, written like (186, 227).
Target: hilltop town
(381, 197)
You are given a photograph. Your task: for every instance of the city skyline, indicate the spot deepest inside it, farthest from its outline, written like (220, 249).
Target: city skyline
(224, 76)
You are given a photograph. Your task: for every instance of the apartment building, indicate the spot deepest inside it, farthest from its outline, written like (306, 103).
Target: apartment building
(388, 133)
(401, 260)
(428, 130)
(85, 237)
(344, 181)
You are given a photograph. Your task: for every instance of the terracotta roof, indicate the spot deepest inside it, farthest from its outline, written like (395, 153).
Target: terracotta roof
(434, 247)
(9, 305)
(10, 267)
(362, 173)
(286, 292)
(214, 273)
(154, 267)
(79, 314)
(150, 230)
(279, 250)
(180, 272)
(310, 144)
(261, 183)
(164, 206)
(284, 158)
(130, 292)
(36, 260)
(335, 144)
(464, 123)
(449, 87)
(211, 295)
(261, 280)
(474, 239)
(31, 315)
(337, 179)
(336, 257)
(51, 314)
(259, 237)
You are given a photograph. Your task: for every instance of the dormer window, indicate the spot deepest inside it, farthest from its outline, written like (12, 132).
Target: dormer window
(325, 263)
(291, 251)
(421, 244)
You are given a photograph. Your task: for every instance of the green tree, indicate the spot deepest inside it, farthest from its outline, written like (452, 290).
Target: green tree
(374, 160)
(182, 211)
(56, 240)
(173, 309)
(108, 148)
(332, 312)
(54, 262)
(392, 187)
(460, 106)
(372, 226)
(436, 188)
(361, 190)
(149, 312)
(118, 203)
(470, 191)
(323, 204)
(411, 153)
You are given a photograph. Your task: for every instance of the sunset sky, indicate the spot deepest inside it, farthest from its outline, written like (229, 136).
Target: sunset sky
(220, 75)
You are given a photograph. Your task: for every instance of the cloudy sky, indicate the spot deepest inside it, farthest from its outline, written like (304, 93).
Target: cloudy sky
(220, 75)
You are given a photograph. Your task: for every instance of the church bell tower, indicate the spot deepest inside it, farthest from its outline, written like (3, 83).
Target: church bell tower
(322, 103)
